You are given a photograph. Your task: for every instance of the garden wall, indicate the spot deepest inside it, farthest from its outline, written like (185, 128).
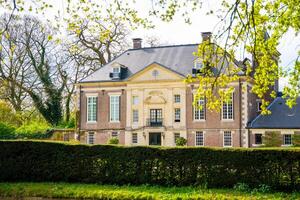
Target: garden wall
(105, 164)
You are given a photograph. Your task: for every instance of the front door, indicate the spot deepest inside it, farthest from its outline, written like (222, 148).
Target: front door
(154, 138)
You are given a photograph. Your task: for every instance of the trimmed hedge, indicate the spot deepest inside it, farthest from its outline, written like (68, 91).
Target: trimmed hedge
(106, 164)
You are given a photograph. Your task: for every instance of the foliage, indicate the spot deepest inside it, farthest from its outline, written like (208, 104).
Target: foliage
(272, 139)
(242, 187)
(6, 131)
(113, 140)
(93, 191)
(7, 115)
(105, 164)
(181, 141)
(296, 139)
(33, 130)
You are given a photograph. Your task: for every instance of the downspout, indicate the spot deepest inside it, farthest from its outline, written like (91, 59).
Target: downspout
(240, 102)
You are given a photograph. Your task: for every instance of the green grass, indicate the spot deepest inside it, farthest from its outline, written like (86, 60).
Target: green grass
(94, 191)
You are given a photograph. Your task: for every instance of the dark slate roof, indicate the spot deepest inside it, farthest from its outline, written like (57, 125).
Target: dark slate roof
(282, 116)
(178, 58)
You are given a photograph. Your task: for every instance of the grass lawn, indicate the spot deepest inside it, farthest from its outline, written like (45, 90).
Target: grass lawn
(94, 191)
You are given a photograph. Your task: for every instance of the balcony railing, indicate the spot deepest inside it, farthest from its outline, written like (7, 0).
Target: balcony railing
(155, 122)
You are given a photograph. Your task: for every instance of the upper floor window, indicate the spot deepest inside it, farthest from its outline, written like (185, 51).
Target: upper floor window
(227, 109)
(135, 116)
(258, 138)
(199, 110)
(198, 64)
(259, 103)
(199, 138)
(177, 115)
(227, 139)
(90, 138)
(116, 70)
(92, 108)
(114, 108)
(176, 98)
(135, 100)
(287, 139)
(134, 138)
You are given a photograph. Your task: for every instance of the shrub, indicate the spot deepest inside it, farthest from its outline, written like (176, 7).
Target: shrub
(113, 140)
(296, 139)
(106, 164)
(7, 131)
(272, 139)
(181, 141)
(33, 130)
(242, 187)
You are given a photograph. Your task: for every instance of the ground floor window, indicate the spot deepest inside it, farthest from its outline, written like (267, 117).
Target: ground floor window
(114, 134)
(227, 138)
(176, 136)
(134, 138)
(199, 138)
(258, 138)
(287, 139)
(90, 138)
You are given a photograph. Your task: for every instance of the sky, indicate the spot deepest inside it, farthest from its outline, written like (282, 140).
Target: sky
(179, 32)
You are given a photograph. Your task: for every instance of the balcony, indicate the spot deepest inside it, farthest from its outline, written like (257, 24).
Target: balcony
(158, 122)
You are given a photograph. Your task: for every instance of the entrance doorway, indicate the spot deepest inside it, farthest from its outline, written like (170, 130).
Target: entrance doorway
(154, 138)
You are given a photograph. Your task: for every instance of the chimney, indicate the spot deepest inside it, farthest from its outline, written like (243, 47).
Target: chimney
(137, 43)
(206, 36)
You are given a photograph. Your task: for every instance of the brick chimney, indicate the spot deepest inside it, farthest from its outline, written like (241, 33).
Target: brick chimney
(206, 36)
(137, 43)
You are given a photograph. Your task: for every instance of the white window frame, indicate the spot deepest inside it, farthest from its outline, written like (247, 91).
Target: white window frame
(135, 116)
(135, 100)
(177, 115)
(283, 139)
(88, 139)
(176, 135)
(198, 111)
(227, 104)
(134, 137)
(117, 71)
(196, 133)
(258, 104)
(231, 141)
(114, 110)
(177, 98)
(198, 63)
(88, 110)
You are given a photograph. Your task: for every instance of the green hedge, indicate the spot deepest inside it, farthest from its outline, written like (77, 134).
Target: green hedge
(105, 164)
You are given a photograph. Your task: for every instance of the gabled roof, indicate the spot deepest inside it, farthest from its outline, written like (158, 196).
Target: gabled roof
(282, 116)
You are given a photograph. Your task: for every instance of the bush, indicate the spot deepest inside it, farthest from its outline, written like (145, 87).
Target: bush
(33, 130)
(181, 141)
(113, 140)
(105, 164)
(296, 139)
(7, 131)
(272, 139)
(242, 187)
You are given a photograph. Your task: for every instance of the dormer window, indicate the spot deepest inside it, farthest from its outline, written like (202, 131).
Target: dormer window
(116, 70)
(198, 65)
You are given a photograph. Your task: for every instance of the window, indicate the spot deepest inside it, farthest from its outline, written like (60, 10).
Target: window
(227, 139)
(135, 116)
(198, 64)
(155, 73)
(90, 138)
(114, 108)
(177, 115)
(259, 103)
(92, 109)
(227, 109)
(199, 110)
(134, 138)
(135, 100)
(176, 98)
(287, 139)
(176, 136)
(114, 134)
(199, 138)
(116, 70)
(258, 138)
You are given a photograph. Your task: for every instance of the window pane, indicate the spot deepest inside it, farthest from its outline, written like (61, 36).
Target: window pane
(134, 138)
(227, 138)
(91, 109)
(227, 109)
(287, 139)
(114, 108)
(135, 116)
(199, 138)
(135, 100)
(114, 134)
(90, 137)
(258, 138)
(199, 110)
(177, 114)
(177, 98)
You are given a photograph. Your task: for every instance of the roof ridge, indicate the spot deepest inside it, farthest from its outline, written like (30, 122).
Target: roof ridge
(166, 46)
